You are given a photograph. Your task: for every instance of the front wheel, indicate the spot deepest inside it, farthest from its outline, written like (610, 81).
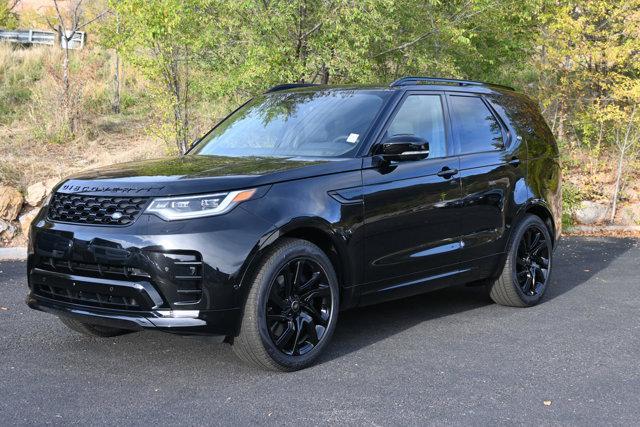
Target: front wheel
(526, 272)
(291, 310)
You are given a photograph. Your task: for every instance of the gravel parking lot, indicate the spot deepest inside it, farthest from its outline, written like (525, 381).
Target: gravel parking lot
(448, 357)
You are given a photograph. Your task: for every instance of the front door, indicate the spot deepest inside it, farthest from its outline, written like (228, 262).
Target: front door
(411, 224)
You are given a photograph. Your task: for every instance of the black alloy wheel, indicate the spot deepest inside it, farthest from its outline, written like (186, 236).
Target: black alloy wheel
(532, 261)
(298, 307)
(291, 309)
(527, 268)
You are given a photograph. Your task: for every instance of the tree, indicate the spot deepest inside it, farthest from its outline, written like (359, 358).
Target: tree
(66, 25)
(308, 41)
(475, 39)
(589, 75)
(170, 41)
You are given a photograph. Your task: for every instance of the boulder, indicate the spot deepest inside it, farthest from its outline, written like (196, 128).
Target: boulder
(630, 215)
(50, 183)
(10, 202)
(7, 231)
(26, 219)
(36, 193)
(591, 213)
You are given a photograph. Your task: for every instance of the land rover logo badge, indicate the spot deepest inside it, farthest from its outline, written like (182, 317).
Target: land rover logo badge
(116, 215)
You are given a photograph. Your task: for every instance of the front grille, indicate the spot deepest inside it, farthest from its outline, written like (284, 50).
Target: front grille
(92, 298)
(92, 269)
(100, 210)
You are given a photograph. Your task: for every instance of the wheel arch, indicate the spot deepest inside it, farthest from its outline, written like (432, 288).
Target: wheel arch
(540, 209)
(314, 230)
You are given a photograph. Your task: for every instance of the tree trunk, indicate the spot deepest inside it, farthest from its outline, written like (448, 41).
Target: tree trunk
(65, 75)
(560, 133)
(616, 190)
(66, 86)
(324, 75)
(116, 77)
(115, 106)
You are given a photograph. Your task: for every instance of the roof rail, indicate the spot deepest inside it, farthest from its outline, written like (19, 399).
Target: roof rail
(286, 86)
(416, 80)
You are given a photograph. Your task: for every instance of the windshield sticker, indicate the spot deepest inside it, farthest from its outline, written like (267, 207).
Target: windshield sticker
(353, 138)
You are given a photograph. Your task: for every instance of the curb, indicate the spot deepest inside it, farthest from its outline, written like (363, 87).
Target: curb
(603, 228)
(13, 254)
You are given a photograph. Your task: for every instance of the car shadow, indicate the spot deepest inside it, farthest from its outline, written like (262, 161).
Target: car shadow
(576, 261)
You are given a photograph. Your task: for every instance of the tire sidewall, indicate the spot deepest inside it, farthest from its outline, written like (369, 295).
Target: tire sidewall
(513, 253)
(275, 262)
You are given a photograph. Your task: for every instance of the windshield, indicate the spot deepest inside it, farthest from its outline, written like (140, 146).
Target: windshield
(328, 123)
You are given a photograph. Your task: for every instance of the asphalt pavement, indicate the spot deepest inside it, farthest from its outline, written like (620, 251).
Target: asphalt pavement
(443, 358)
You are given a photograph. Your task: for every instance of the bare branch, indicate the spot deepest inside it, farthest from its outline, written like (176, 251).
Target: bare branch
(97, 17)
(461, 16)
(51, 25)
(313, 30)
(75, 16)
(60, 19)
(13, 4)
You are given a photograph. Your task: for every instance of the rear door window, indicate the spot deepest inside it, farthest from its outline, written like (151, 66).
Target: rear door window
(475, 128)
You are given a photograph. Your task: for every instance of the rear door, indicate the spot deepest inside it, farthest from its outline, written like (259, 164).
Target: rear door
(490, 170)
(411, 224)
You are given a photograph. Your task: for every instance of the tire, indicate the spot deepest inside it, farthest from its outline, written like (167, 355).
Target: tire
(526, 272)
(92, 330)
(291, 309)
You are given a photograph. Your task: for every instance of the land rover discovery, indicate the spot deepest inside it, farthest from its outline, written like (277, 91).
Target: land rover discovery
(305, 201)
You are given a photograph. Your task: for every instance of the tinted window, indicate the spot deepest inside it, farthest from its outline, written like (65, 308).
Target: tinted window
(421, 115)
(475, 127)
(328, 123)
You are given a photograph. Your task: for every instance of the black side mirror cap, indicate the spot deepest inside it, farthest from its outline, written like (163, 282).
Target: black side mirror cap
(404, 147)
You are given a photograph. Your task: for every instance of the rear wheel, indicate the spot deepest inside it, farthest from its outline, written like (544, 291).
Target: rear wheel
(526, 272)
(292, 308)
(92, 330)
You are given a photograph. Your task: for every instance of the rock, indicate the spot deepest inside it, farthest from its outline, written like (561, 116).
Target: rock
(10, 202)
(630, 215)
(50, 183)
(26, 219)
(591, 213)
(36, 193)
(7, 231)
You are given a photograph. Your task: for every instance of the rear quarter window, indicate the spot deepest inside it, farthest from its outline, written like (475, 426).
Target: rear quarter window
(526, 119)
(475, 128)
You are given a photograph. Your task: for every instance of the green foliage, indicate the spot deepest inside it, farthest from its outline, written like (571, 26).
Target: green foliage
(175, 45)
(8, 18)
(201, 51)
(571, 198)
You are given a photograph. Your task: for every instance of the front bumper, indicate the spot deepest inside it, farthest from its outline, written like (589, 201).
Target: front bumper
(183, 322)
(183, 277)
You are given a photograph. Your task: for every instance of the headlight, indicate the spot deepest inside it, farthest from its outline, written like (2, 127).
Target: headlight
(174, 208)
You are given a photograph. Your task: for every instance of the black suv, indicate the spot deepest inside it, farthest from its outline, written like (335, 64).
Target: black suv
(305, 201)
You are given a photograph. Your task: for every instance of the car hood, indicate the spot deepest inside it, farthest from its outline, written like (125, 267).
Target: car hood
(195, 174)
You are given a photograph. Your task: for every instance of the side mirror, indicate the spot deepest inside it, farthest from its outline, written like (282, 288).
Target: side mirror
(404, 147)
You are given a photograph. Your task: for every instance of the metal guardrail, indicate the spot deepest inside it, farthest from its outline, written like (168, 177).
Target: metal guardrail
(41, 37)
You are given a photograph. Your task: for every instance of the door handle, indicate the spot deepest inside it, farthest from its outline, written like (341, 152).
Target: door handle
(447, 172)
